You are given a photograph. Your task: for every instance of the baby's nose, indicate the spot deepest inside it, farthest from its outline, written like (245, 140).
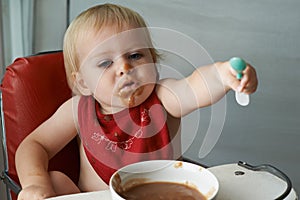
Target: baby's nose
(124, 69)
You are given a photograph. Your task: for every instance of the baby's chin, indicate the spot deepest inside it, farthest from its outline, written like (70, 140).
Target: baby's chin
(137, 97)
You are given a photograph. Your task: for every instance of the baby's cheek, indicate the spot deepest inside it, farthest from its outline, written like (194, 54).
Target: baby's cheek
(102, 92)
(150, 75)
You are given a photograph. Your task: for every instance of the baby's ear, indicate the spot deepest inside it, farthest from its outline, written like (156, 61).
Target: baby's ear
(81, 85)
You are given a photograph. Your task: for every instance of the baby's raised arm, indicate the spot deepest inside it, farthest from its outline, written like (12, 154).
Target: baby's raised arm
(205, 86)
(38, 147)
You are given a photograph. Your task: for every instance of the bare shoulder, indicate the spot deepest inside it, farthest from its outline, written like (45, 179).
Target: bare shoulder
(66, 112)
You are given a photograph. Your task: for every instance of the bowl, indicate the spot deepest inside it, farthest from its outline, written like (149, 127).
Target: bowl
(169, 171)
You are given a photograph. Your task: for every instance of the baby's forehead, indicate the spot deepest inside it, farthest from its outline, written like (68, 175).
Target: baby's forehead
(111, 39)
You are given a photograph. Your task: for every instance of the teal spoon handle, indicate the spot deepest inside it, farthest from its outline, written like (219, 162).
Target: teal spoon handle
(239, 65)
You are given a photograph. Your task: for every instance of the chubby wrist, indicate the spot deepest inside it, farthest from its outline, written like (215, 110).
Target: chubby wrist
(36, 179)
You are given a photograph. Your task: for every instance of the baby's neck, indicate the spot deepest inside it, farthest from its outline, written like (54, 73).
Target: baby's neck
(110, 110)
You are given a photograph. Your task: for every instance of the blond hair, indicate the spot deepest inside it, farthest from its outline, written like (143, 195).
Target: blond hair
(96, 18)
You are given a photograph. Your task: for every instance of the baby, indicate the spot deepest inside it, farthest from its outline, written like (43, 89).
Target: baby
(121, 110)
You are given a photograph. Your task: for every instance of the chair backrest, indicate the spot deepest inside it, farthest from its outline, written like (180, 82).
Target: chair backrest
(32, 89)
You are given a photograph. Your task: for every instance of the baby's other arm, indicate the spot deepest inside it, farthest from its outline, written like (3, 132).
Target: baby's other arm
(38, 147)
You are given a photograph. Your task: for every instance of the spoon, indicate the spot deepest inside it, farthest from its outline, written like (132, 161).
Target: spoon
(239, 66)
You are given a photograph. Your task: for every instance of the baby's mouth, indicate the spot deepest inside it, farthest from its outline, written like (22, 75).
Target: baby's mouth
(127, 88)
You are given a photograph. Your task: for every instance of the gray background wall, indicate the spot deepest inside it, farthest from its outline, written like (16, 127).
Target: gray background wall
(264, 32)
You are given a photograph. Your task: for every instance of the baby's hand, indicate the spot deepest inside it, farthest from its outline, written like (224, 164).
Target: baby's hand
(35, 192)
(248, 83)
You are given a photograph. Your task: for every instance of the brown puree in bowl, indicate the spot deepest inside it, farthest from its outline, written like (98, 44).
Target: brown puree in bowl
(162, 191)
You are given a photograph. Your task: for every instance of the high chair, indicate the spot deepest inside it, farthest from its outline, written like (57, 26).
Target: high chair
(31, 90)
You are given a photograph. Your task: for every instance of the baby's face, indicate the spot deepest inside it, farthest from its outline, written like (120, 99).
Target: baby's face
(117, 68)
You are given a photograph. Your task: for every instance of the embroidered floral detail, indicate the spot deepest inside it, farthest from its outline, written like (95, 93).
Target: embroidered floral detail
(97, 137)
(126, 145)
(139, 133)
(111, 145)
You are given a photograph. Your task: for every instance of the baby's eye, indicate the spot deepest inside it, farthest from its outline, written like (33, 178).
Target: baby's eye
(105, 63)
(135, 56)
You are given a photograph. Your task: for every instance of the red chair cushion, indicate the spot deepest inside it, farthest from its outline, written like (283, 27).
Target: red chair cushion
(32, 89)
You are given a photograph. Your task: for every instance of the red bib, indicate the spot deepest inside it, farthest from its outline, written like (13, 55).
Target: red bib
(131, 135)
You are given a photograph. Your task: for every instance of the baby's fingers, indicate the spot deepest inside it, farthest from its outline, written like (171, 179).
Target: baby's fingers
(249, 81)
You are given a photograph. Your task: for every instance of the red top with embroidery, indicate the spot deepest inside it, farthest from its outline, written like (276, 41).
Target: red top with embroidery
(131, 135)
